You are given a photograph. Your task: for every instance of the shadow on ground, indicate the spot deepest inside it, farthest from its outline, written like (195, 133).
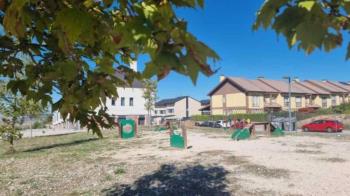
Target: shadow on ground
(72, 143)
(193, 180)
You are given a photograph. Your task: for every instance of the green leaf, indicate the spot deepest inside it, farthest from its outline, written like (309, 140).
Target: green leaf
(307, 4)
(74, 23)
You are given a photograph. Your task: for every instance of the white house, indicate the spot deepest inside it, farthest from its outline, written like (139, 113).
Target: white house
(130, 103)
(176, 108)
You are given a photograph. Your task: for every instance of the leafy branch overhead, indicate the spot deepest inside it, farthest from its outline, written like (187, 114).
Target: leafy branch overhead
(307, 24)
(75, 47)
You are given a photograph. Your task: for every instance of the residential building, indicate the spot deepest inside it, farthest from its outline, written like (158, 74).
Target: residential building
(130, 103)
(176, 108)
(205, 107)
(240, 95)
(338, 93)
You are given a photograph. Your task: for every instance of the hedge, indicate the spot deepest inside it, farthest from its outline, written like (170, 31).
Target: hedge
(256, 117)
(261, 117)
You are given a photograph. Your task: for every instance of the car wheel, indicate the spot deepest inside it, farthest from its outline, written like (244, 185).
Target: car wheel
(329, 130)
(306, 129)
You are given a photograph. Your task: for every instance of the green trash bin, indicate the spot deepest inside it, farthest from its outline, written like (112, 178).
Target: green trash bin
(240, 134)
(127, 128)
(277, 132)
(177, 140)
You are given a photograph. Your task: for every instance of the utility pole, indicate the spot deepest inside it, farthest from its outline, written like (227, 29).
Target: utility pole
(289, 102)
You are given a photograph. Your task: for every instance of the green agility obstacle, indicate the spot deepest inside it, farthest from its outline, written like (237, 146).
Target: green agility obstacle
(277, 132)
(128, 128)
(240, 134)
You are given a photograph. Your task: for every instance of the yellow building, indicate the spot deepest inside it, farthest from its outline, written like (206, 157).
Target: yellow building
(240, 95)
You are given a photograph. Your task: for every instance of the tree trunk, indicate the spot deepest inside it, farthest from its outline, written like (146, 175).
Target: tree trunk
(11, 148)
(11, 137)
(149, 119)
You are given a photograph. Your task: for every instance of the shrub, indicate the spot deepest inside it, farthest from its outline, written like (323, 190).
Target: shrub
(38, 125)
(256, 117)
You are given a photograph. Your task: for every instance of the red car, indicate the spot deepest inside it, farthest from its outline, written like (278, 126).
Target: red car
(324, 125)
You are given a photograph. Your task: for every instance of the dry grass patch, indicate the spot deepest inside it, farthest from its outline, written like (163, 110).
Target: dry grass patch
(305, 151)
(333, 160)
(263, 171)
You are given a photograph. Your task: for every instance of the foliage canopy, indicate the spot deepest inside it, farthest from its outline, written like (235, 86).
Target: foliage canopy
(74, 47)
(307, 24)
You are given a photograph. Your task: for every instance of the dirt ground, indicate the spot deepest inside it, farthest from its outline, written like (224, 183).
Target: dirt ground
(79, 164)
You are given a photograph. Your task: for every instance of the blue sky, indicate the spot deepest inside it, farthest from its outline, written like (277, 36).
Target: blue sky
(226, 27)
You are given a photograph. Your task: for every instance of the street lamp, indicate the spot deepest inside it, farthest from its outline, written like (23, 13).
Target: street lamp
(289, 101)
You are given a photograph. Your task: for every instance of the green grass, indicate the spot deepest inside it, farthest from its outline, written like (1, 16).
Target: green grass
(80, 144)
(52, 161)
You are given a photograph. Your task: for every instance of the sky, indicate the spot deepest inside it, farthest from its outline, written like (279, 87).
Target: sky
(226, 27)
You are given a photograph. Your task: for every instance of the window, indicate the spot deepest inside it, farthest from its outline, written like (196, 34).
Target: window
(255, 101)
(170, 111)
(162, 111)
(122, 101)
(131, 101)
(307, 100)
(324, 102)
(298, 101)
(286, 101)
(266, 99)
(334, 100)
(156, 111)
(113, 102)
(273, 99)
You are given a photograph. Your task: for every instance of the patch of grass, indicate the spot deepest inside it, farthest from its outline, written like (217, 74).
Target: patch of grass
(75, 145)
(19, 192)
(214, 153)
(334, 160)
(312, 145)
(234, 160)
(108, 177)
(119, 171)
(263, 171)
(305, 151)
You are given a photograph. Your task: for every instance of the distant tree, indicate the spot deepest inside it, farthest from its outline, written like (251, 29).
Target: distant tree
(150, 96)
(13, 107)
(76, 45)
(307, 24)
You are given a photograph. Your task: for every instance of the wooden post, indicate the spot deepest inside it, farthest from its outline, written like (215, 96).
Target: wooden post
(184, 134)
(268, 129)
(253, 130)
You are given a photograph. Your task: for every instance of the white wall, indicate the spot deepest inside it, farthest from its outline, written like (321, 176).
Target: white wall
(139, 102)
(193, 108)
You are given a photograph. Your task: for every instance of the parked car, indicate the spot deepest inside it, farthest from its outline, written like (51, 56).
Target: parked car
(204, 124)
(324, 125)
(223, 124)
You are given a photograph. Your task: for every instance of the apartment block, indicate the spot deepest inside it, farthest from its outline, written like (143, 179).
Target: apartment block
(176, 108)
(240, 95)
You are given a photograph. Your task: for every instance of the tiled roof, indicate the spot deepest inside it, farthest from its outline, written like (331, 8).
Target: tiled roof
(327, 86)
(205, 102)
(314, 88)
(253, 85)
(283, 86)
(341, 85)
(167, 102)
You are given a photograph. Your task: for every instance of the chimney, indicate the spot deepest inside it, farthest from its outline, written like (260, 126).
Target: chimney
(133, 65)
(222, 77)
